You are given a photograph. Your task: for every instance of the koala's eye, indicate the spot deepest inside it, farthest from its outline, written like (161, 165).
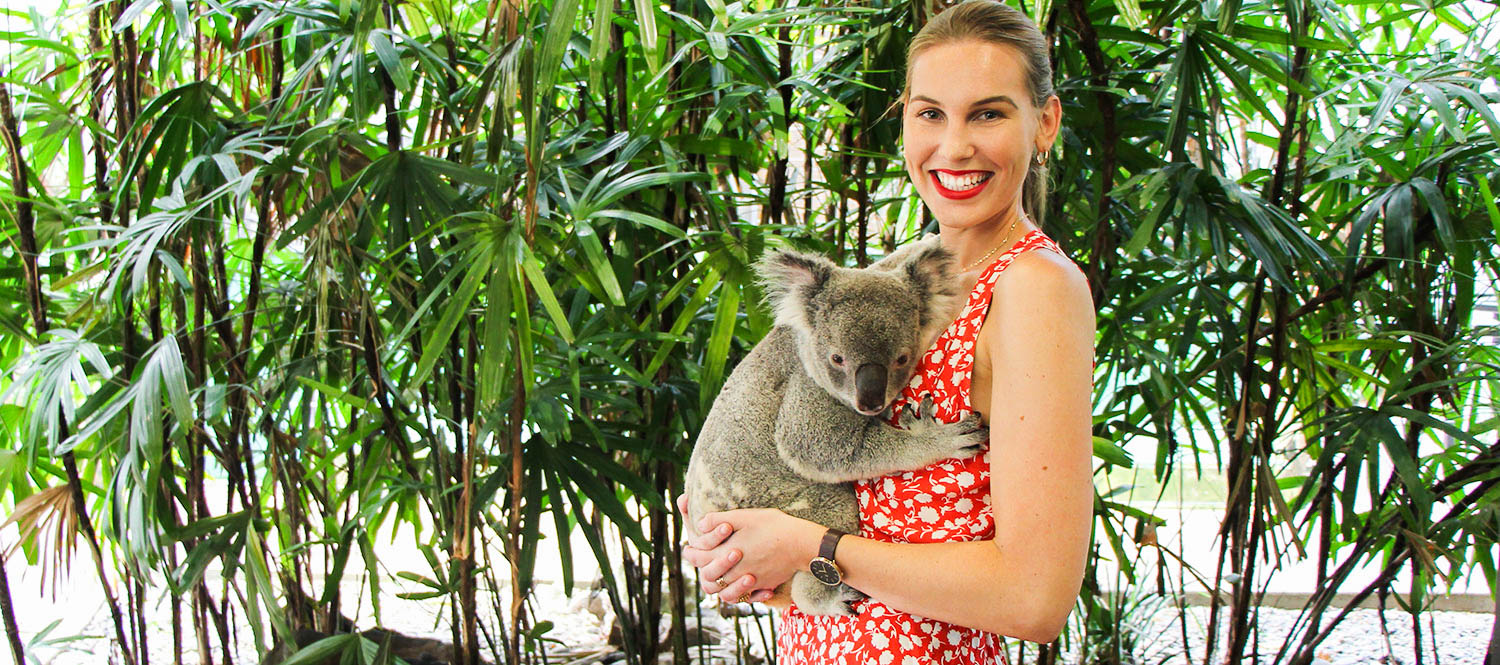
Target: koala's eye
(902, 360)
(837, 359)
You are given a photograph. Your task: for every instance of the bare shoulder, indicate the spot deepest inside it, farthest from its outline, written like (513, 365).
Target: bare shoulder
(1042, 290)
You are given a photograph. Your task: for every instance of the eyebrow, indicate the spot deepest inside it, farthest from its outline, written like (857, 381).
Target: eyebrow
(997, 99)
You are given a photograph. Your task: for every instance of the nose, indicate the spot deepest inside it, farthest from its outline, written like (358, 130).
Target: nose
(957, 144)
(869, 387)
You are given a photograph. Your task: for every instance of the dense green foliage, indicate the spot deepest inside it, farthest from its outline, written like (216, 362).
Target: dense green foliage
(281, 277)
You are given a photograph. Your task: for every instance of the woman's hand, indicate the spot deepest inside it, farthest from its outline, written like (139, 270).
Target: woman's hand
(705, 553)
(752, 551)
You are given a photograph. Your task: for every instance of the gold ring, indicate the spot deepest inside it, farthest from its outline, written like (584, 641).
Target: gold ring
(744, 598)
(720, 583)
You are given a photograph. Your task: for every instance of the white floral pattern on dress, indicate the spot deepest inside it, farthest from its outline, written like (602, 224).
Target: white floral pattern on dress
(948, 501)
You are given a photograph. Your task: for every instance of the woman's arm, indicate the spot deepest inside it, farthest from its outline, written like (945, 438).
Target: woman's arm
(1024, 582)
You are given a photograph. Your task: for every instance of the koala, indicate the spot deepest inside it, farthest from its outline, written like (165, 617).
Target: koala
(801, 417)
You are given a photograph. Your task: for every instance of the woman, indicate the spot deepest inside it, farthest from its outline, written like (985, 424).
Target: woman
(946, 574)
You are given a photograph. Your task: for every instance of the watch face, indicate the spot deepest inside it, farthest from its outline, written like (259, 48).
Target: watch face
(826, 571)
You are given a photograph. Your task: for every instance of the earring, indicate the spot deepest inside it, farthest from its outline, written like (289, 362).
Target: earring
(1040, 158)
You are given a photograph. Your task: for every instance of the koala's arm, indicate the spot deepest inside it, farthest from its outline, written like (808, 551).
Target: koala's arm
(824, 440)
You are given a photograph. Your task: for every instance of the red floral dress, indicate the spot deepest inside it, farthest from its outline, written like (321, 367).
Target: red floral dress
(948, 501)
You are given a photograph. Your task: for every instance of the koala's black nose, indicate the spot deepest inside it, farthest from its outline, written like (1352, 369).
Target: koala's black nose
(869, 387)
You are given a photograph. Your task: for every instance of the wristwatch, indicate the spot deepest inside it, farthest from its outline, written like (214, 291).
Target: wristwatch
(823, 566)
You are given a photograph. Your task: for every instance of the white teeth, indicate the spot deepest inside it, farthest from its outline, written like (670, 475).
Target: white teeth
(959, 183)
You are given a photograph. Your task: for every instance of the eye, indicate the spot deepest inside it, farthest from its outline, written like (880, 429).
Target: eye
(837, 359)
(901, 362)
(989, 114)
(929, 114)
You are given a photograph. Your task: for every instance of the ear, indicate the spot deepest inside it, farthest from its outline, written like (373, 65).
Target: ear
(930, 271)
(791, 279)
(1049, 123)
(930, 267)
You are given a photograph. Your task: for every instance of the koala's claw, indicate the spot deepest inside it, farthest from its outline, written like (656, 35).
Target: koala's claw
(851, 596)
(912, 414)
(964, 438)
(972, 434)
(971, 422)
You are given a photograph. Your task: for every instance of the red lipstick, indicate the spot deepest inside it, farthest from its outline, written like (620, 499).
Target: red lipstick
(955, 195)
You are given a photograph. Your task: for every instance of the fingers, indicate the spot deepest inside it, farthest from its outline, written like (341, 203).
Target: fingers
(719, 574)
(682, 506)
(695, 557)
(710, 537)
(738, 591)
(719, 569)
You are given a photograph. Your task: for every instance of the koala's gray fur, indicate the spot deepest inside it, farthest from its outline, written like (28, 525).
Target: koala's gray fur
(792, 429)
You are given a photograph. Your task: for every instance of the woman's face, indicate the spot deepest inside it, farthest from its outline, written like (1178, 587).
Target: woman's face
(970, 130)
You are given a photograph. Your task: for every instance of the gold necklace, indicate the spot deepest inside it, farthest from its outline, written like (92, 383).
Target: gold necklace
(994, 249)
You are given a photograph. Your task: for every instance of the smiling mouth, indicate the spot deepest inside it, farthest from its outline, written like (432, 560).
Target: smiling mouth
(959, 184)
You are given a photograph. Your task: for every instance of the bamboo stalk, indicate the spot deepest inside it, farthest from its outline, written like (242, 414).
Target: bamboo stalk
(516, 485)
(25, 223)
(1102, 257)
(8, 614)
(862, 205)
(1232, 532)
(776, 210)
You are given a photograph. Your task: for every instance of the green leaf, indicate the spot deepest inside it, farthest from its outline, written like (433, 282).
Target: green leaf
(720, 145)
(598, 264)
(604, 11)
(435, 343)
(233, 522)
(1112, 453)
(336, 394)
(555, 41)
(1438, 206)
(726, 316)
(324, 650)
(644, 220)
(1130, 10)
(1146, 232)
(1487, 196)
(259, 586)
(538, 281)
(718, 44)
(390, 60)
(645, 16)
(1443, 106)
(1406, 464)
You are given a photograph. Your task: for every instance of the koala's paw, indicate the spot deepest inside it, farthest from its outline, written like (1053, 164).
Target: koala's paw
(920, 417)
(964, 438)
(850, 596)
(815, 598)
(970, 434)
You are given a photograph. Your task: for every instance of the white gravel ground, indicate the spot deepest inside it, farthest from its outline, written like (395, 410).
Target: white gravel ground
(1449, 638)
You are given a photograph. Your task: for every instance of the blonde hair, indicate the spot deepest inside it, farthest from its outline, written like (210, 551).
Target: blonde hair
(991, 22)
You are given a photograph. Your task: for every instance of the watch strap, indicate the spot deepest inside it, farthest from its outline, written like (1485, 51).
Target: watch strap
(830, 543)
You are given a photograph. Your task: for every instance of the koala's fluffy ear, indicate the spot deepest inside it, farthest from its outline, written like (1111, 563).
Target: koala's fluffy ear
(790, 280)
(931, 271)
(897, 259)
